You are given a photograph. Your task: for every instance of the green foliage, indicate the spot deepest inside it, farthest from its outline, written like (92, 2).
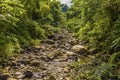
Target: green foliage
(94, 69)
(98, 23)
(26, 22)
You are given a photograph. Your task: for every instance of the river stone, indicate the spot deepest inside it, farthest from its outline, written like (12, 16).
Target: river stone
(69, 53)
(76, 48)
(35, 63)
(66, 70)
(79, 49)
(28, 74)
(18, 73)
(20, 76)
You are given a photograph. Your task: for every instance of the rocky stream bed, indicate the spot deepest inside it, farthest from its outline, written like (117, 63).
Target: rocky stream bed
(48, 61)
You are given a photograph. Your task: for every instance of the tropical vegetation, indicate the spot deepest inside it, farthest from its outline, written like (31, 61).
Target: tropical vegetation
(26, 23)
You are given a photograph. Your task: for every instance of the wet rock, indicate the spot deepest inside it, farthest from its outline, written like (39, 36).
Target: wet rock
(28, 74)
(4, 76)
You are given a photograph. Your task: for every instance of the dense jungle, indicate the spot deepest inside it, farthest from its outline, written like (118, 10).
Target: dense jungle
(49, 40)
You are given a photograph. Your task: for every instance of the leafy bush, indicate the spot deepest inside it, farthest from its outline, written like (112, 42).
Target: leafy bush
(25, 23)
(98, 23)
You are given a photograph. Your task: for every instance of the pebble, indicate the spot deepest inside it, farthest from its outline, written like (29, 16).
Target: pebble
(66, 70)
(50, 60)
(35, 63)
(18, 73)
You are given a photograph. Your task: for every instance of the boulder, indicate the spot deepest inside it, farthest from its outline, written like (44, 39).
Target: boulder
(81, 50)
